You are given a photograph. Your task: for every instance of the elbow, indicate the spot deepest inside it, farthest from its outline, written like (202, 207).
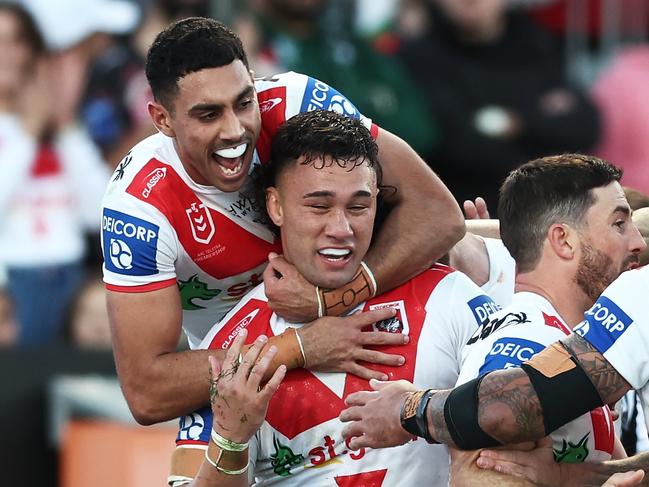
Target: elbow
(457, 229)
(144, 408)
(497, 425)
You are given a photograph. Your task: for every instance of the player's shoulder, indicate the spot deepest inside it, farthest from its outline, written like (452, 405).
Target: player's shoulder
(157, 148)
(147, 170)
(252, 308)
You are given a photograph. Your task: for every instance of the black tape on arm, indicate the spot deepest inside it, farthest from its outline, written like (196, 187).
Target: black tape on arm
(564, 397)
(461, 415)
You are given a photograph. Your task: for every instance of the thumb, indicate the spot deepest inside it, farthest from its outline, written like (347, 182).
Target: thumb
(378, 385)
(279, 264)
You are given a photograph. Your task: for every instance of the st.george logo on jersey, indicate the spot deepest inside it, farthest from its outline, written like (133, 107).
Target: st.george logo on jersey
(397, 324)
(201, 223)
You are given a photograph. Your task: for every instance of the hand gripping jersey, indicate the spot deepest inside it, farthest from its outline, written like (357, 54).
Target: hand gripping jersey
(618, 327)
(159, 228)
(300, 442)
(513, 336)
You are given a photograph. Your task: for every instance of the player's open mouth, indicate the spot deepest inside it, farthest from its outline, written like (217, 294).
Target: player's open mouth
(230, 159)
(335, 254)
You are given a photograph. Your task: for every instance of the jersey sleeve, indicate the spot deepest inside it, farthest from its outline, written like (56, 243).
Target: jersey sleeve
(465, 307)
(618, 326)
(138, 243)
(285, 95)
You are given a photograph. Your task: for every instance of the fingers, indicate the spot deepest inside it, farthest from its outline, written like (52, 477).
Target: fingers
(470, 211)
(232, 355)
(383, 338)
(273, 384)
(504, 455)
(481, 207)
(476, 210)
(359, 398)
(250, 358)
(365, 373)
(353, 426)
(507, 468)
(366, 318)
(279, 264)
(625, 479)
(377, 385)
(358, 442)
(374, 357)
(261, 366)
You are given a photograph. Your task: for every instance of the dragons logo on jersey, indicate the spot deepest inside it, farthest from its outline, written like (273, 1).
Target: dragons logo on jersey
(571, 452)
(284, 458)
(194, 288)
(489, 327)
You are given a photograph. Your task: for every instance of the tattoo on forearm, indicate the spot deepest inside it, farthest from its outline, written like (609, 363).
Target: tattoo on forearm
(436, 421)
(509, 409)
(608, 382)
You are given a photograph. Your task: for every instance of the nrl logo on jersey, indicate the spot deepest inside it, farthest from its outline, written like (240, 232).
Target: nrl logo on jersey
(201, 222)
(398, 323)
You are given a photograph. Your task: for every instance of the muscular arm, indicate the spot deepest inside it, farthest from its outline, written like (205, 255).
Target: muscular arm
(424, 223)
(509, 409)
(158, 382)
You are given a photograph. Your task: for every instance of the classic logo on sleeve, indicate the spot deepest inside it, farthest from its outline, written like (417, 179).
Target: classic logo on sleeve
(509, 352)
(321, 96)
(482, 306)
(604, 323)
(130, 244)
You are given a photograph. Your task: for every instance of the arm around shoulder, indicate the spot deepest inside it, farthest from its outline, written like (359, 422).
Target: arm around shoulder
(424, 223)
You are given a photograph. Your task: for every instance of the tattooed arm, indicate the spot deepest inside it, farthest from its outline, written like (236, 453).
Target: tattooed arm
(239, 404)
(509, 409)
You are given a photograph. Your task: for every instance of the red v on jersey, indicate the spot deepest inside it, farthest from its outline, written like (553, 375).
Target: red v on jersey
(303, 401)
(213, 241)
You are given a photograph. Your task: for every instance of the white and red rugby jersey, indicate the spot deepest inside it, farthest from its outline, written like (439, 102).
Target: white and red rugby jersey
(618, 327)
(513, 336)
(160, 228)
(300, 442)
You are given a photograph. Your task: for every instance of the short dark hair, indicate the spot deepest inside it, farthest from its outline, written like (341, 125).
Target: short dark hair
(346, 141)
(555, 189)
(28, 27)
(187, 46)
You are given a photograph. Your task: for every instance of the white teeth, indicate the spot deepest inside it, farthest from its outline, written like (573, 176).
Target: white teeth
(232, 152)
(335, 252)
(233, 171)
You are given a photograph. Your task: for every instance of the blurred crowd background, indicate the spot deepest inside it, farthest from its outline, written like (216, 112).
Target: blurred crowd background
(477, 87)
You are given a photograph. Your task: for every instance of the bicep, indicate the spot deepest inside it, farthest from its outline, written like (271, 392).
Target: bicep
(610, 385)
(144, 325)
(402, 167)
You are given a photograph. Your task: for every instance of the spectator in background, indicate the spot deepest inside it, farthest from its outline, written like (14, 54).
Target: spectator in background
(494, 83)
(621, 94)
(51, 177)
(317, 38)
(114, 107)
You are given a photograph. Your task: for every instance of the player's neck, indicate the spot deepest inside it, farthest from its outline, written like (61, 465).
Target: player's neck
(562, 292)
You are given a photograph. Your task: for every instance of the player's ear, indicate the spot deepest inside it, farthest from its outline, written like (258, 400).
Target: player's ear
(161, 118)
(274, 206)
(563, 240)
